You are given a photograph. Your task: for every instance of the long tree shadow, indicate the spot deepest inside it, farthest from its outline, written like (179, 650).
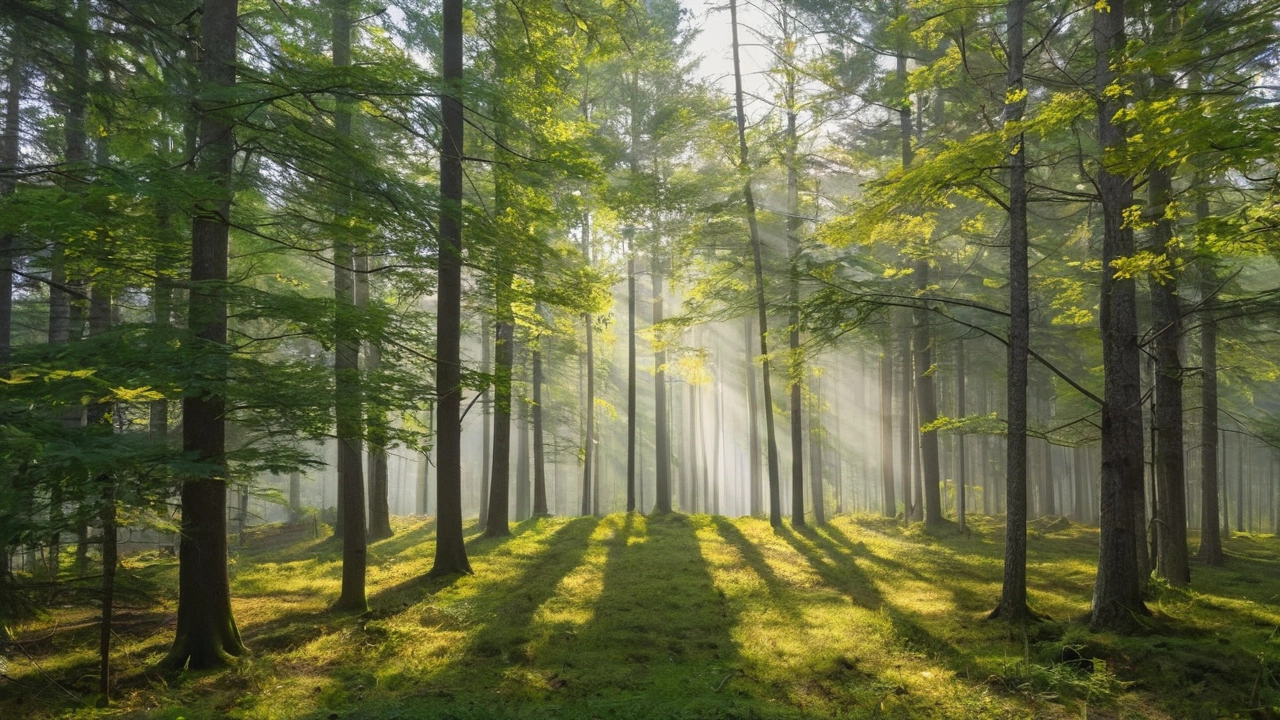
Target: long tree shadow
(750, 553)
(659, 633)
(511, 602)
(846, 577)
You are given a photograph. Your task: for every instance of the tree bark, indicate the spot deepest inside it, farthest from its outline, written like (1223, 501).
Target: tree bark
(890, 508)
(1171, 531)
(539, 459)
(661, 440)
(348, 399)
(451, 551)
(744, 169)
(927, 405)
(1210, 514)
(206, 635)
(589, 441)
(1013, 593)
(498, 524)
(962, 466)
(753, 420)
(1117, 594)
(486, 430)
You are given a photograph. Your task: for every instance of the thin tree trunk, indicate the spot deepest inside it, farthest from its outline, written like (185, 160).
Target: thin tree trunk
(206, 635)
(662, 453)
(522, 448)
(927, 405)
(486, 431)
(890, 508)
(376, 417)
(907, 433)
(962, 466)
(539, 459)
(589, 441)
(815, 457)
(1210, 515)
(1013, 593)
(451, 551)
(744, 168)
(753, 420)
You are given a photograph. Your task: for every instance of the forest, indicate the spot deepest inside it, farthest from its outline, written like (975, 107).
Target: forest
(617, 359)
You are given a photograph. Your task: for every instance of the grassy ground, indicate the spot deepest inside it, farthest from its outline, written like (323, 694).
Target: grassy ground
(677, 617)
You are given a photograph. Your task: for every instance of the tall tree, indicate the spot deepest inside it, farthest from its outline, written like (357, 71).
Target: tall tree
(757, 251)
(346, 361)
(1117, 594)
(1013, 593)
(206, 635)
(451, 551)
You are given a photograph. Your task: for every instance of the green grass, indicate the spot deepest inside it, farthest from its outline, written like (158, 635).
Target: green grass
(677, 617)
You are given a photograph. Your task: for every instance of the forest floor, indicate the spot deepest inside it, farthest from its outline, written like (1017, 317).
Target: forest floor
(674, 617)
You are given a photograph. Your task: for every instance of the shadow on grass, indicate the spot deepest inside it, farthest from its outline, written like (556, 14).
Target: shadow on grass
(659, 636)
(733, 537)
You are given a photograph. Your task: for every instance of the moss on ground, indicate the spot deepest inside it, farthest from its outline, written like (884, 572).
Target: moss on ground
(676, 617)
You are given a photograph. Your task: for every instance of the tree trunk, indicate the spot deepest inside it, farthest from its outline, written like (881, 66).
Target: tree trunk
(744, 169)
(539, 459)
(1210, 515)
(1013, 593)
(451, 551)
(376, 418)
(589, 441)
(1117, 595)
(206, 634)
(486, 414)
(1171, 531)
(815, 457)
(907, 433)
(927, 405)
(662, 453)
(753, 430)
(499, 481)
(522, 448)
(346, 366)
(890, 508)
(962, 466)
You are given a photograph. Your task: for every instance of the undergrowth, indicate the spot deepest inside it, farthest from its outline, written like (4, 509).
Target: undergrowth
(673, 617)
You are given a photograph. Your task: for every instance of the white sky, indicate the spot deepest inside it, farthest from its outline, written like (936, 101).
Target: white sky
(715, 46)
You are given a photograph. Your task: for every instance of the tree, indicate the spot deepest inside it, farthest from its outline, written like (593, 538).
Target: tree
(346, 365)
(1013, 593)
(762, 310)
(451, 552)
(1117, 594)
(206, 634)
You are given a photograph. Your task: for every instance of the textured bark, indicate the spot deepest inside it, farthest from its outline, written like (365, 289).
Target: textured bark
(815, 459)
(753, 430)
(906, 433)
(451, 552)
(522, 447)
(1013, 592)
(346, 366)
(890, 508)
(589, 440)
(962, 465)
(797, 367)
(539, 459)
(1171, 530)
(762, 309)
(376, 420)
(486, 421)
(1117, 594)
(1210, 552)
(206, 634)
(498, 524)
(661, 439)
(927, 405)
